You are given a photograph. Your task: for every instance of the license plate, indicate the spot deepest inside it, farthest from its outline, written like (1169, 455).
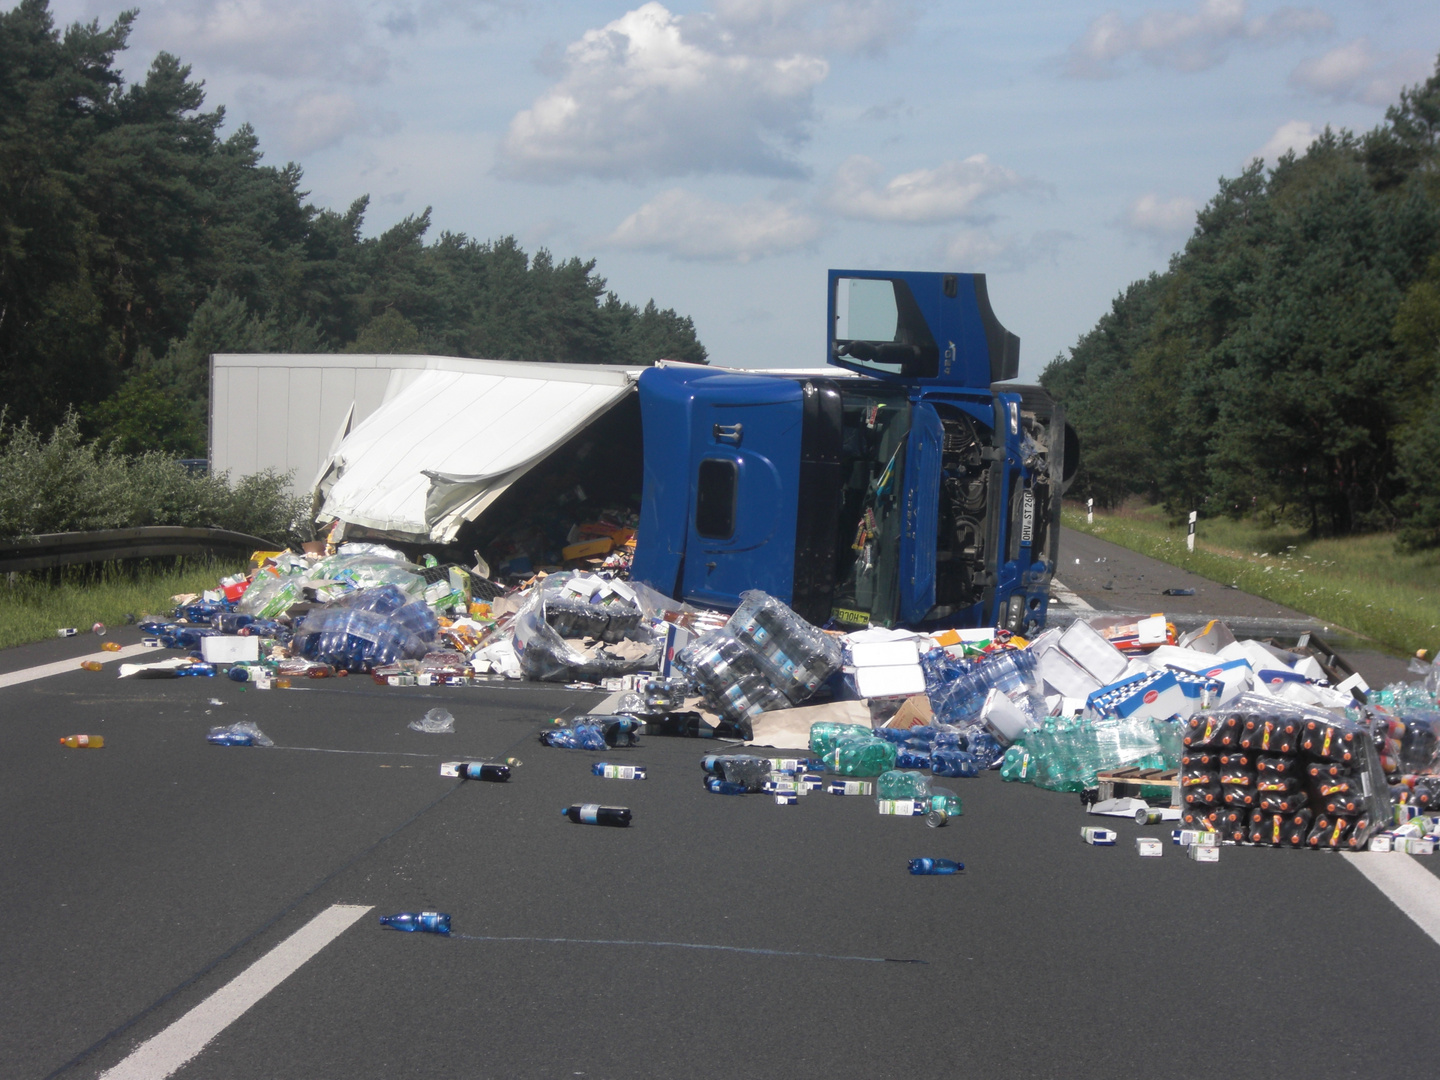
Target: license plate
(1027, 518)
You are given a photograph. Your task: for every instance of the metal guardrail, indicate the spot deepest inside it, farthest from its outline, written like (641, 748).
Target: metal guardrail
(49, 550)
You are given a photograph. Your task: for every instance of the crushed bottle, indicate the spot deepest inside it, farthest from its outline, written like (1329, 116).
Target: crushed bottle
(426, 922)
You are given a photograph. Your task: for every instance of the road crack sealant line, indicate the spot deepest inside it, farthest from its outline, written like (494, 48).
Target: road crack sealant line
(688, 945)
(233, 949)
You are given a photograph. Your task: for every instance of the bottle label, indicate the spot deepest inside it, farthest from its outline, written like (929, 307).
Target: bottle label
(82, 740)
(620, 772)
(590, 813)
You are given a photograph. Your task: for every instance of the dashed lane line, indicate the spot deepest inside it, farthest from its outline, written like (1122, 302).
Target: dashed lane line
(1408, 885)
(166, 1052)
(60, 667)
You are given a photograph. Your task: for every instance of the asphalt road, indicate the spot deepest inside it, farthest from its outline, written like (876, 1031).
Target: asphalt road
(1108, 577)
(716, 937)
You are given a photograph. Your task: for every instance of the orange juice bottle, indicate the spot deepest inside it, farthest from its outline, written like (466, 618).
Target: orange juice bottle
(94, 742)
(92, 665)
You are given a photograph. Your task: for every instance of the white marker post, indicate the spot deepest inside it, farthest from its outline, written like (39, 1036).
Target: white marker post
(1190, 537)
(1089, 511)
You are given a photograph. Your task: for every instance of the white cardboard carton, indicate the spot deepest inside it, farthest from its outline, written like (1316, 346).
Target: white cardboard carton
(230, 650)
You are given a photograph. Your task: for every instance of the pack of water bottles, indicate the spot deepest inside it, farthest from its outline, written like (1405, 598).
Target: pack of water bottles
(959, 690)
(367, 629)
(766, 657)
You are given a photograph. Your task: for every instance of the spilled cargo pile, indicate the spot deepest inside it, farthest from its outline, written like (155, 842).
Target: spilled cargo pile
(1236, 741)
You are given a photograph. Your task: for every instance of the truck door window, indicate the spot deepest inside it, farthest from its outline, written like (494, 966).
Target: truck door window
(879, 326)
(867, 548)
(715, 499)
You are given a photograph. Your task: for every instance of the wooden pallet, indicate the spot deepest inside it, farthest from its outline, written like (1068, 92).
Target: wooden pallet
(1107, 780)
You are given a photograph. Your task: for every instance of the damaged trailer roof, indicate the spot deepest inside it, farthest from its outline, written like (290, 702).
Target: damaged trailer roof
(448, 444)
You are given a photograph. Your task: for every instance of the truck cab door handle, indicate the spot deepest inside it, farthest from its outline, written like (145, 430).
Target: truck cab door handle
(729, 433)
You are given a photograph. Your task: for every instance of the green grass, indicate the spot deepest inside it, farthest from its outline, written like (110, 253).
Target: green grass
(34, 606)
(1359, 582)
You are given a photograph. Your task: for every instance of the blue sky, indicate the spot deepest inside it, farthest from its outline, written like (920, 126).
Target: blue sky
(719, 156)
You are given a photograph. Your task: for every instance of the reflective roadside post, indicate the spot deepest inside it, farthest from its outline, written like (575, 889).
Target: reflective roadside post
(1089, 511)
(1190, 536)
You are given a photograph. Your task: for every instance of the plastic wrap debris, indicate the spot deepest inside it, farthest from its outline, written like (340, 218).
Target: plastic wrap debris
(594, 732)
(244, 733)
(578, 604)
(434, 722)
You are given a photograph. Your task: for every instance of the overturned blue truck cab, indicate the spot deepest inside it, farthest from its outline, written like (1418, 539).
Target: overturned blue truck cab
(910, 486)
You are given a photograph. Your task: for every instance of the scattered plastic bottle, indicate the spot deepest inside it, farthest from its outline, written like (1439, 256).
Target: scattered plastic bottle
(110, 646)
(595, 814)
(935, 866)
(719, 786)
(427, 922)
(485, 770)
(618, 772)
(202, 670)
(92, 665)
(91, 742)
(98, 629)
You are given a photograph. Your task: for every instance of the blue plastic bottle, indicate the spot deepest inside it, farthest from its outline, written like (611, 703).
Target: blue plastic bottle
(935, 866)
(428, 922)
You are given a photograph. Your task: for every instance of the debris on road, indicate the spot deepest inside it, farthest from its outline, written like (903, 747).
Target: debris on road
(427, 922)
(434, 722)
(243, 733)
(1257, 742)
(84, 742)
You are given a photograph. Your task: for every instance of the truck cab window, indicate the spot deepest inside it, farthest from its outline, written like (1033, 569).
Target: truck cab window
(873, 459)
(715, 499)
(879, 327)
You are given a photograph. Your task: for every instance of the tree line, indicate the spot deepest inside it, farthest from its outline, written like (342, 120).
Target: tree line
(135, 241)
(1287, 363)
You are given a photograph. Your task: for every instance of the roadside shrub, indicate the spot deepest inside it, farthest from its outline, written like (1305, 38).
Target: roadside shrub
(62, 483)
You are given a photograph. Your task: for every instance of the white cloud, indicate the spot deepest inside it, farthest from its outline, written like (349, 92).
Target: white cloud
(690, 226)
(314, 121)
(1356, 72)
(646, 96)
(924, 196)
(851, 26)
(343, 40)
(1293, 135)
(982, 251)
(1161, 218)
(1185, 40)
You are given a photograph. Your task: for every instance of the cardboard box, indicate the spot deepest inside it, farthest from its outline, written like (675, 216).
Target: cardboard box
(851, 787)
(916, 712)
(1204, 853)
(890, 680)
(1098, 837)
(230, 650)
(1149, 847)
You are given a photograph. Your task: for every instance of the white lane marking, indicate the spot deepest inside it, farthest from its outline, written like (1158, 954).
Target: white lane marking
(60, 667)
(1068, 598)
(160, 1056)
(1412, 888)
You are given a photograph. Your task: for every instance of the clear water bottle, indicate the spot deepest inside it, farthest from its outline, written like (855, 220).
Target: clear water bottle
(935, 866)
(426, 922)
